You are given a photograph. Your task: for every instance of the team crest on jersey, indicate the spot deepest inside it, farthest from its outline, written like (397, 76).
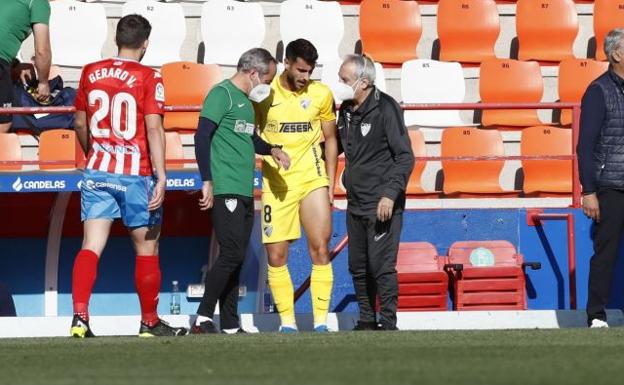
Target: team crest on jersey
(231, 204)
(268, 230)
(160, 92)
(365, 127)
(305, 103)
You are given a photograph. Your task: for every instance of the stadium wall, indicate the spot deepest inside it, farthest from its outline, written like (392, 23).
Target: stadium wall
(185, 248)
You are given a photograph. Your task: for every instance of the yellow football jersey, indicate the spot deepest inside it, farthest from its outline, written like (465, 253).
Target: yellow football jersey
(293, 120)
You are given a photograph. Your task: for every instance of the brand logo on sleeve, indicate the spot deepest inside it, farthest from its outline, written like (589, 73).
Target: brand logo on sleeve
(160, 92)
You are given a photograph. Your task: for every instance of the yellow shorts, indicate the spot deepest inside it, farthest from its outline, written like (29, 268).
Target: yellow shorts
(280, 212)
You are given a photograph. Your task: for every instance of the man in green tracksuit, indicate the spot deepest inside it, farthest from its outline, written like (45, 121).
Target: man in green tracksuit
(225, 147)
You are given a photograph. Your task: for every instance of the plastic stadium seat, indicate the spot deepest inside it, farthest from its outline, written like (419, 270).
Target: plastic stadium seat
(187, 83)
(218, 16)
(10, 150)
(173, 150)
(608, 15)
(168, 29)
(414, 187)
(510, 81)
(317, 21)
(390, 30)
(575, 75)
(546, 177)
(77, 32)
(472, 178)
(329, 76)
(423, 283)
(58, 145)
(430, 81)
(546, 29)
(339, 188)
(467, 30)
(482, 284)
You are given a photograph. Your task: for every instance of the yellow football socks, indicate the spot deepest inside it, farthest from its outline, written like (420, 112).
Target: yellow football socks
(283, 294)
(321, 282)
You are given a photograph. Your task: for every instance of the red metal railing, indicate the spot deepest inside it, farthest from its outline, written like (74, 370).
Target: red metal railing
(332, 255)
(535, 217)
(575, 107)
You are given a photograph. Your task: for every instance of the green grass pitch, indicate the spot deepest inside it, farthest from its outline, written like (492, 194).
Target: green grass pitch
(570, 356)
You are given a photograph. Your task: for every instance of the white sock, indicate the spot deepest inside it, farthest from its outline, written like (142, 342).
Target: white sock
(230, 331)
(201, 318)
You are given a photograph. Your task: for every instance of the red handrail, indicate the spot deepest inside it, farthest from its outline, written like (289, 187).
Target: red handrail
(534, 218)
(576, 113)
(332, 255)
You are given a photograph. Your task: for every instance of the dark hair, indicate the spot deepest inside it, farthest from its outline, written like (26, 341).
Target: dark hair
(301, 48)
(132, 31)
(258, 59)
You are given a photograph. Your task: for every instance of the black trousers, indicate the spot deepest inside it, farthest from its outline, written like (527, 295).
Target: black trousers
(607, 235)
(232, 218)
(373, 248)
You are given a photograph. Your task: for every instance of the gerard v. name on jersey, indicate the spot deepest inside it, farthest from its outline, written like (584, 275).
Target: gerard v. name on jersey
(116, 73)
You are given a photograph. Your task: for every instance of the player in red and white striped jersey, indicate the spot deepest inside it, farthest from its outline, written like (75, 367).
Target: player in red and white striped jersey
(118, 121)
(116, 95)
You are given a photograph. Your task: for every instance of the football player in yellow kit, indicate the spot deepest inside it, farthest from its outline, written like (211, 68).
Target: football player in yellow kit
(295, 115)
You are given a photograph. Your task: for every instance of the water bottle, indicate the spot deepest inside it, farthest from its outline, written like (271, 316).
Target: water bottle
(267, 299)
(174, 305)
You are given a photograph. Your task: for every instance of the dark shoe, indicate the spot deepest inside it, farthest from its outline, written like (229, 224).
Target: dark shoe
(364, 326)
(206, 327)
(80, 328)
(387, 327)
(161, 329)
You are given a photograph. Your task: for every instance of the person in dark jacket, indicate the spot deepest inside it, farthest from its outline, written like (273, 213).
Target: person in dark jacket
(601, 169)
(379, 161)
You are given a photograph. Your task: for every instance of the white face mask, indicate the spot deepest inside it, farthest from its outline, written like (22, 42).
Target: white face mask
(259, 92)
(344, 91)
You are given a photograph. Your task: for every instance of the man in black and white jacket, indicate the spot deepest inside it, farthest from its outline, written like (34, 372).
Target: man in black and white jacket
(379, 161)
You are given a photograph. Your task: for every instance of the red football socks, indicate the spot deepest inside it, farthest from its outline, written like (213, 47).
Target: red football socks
(83, 279)
(147, 279)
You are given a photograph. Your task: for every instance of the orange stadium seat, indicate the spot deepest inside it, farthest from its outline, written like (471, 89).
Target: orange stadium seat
(58, 145)
(546, 29)
(187, 83)
(467, 30)
(390, 30)
(574, 77)
(546, 177)
(339, 188)
(173, 150)
(423, 283)
(414, 187)
(510, 81)
(491, 278)
(608, 14)
(10, 150)
(472, 178)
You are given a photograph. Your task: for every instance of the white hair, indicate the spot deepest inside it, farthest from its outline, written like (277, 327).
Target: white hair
(365, 68)
(613, 42)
